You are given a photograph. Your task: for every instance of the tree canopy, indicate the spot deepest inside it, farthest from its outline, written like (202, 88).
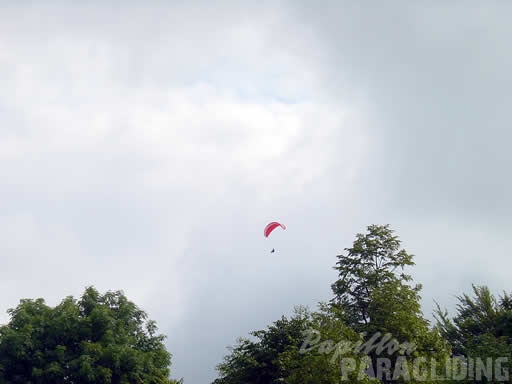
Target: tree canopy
(99, 338)
(482, 326)
(373, 261)
(282, 354)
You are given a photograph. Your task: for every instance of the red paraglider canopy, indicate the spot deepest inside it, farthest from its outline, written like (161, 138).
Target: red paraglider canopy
(271, 226)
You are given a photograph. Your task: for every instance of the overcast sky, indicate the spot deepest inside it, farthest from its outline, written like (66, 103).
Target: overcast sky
(144, 147)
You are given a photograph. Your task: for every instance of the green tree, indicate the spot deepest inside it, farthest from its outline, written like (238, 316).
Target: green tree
(100, 338)
(282, 353)
(257, 361)
(372, 261)
(320, 358)
(376, 297)
(482, 327)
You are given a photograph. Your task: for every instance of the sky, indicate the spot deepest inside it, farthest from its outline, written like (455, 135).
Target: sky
(144, 147)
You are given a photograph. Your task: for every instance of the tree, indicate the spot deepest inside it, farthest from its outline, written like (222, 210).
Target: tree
(320, 358)
(100, 338)
(482, 327)
(278, 353)
(375, 297)
(371, 262)
(257, 361)
(480, 316)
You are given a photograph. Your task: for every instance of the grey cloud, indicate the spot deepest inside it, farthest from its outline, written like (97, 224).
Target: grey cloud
(438, 83)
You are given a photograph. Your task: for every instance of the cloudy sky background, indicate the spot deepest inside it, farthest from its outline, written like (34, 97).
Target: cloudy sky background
(144, 147)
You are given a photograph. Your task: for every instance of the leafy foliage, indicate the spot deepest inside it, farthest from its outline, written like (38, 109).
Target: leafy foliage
(371, 262)
(376, 296)
(482, 327)
(96, 339)
(276, 355)
(258, 361)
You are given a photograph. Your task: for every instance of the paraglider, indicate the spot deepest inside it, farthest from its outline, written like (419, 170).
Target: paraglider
(270, 228)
